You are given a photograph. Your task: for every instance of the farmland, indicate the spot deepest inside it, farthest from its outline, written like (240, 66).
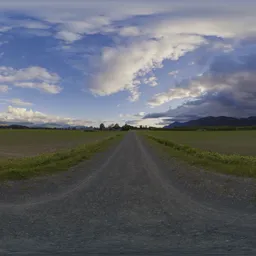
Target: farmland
(28, 153)
(24, 143)
(230, 152)
(225, 142)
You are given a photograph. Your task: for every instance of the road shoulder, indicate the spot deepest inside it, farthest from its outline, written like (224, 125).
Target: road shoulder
(219, 189)
(36, 188)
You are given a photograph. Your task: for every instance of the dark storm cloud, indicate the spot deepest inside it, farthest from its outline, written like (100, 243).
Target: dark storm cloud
(181, 119)
(229, 88)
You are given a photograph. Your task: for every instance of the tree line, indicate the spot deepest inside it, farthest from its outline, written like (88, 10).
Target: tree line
(126, 127)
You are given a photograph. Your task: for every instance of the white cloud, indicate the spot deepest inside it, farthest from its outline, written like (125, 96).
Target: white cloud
(68, 36)
(73, 30)
(173, 73)
(177, 93)
(5, 29)
(173, 36)
(44, 87)
(140, 114)
(17, 102)
(22, 114)
(33, 25)
(121, 66)
(134, 93)
(13, 114)
(225, 47)
(88, 17)
(32, 77)
(124, 115)
(152, 81)
(8, 74)
(84, 17)
(129, 31)
(4, 88)
(20, 102)
(132, 116)
(227, 89)
(91, 25)
(164, 30)
(145, 122)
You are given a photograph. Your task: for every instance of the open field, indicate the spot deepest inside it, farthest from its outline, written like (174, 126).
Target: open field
(128, 201)
(61, 160)
(225, 142)
(24, 143)
(216, 151)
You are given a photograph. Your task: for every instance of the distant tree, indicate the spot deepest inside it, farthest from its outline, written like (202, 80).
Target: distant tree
(111, 126)
(102, 126)
(116, 126)
(127, 127)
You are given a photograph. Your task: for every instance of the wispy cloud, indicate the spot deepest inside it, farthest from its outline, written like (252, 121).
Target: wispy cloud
(68, 36)
(17, 102)
(152, 81)
(4, 88)
(13, 114)
(33, 77)
(4, 29)
(44, 87)
(177, 93)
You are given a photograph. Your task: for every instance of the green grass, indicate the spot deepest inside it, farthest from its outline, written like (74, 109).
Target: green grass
(229, 164)
(48, 163)
(225, 142)
(23, 143)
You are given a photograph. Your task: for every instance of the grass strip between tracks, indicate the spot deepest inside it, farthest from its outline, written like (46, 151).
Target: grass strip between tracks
(27, 167)
(229, 164)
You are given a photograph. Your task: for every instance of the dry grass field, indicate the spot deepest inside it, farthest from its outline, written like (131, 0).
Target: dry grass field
(29, 153)
(24, 143)
(230, 152)
(225, 142)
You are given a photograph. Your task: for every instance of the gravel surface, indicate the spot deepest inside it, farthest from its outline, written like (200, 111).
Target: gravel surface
(128, 201)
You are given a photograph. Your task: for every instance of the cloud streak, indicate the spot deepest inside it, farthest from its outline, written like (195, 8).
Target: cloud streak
(33, 77)
(14, 114)
(17, 102)
(4, 88)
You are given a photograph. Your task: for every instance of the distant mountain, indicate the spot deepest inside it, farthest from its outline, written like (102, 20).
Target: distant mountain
(50, 125)
(43, 125)
(82, 127)
(5, 123)
(215, 121)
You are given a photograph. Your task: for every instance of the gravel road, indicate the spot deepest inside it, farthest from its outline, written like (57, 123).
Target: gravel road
(122, 202)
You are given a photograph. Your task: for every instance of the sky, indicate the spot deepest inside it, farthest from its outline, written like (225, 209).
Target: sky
(140, 62)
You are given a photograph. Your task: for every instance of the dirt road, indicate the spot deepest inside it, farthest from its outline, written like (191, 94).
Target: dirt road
(126, 203)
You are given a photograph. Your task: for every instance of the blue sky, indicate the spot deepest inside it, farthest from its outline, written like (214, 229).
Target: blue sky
(140, 62)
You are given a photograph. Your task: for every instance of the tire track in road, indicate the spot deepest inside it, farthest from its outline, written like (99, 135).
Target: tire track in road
(176, 202)
(181, 200)
(79, 186)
